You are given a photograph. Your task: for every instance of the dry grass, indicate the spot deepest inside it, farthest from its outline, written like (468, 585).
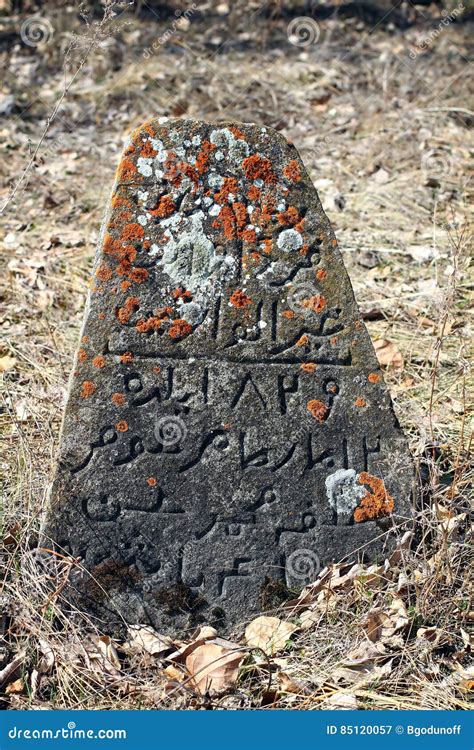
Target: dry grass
(385, 140)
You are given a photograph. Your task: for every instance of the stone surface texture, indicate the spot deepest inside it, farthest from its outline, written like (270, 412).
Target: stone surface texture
(227, 428)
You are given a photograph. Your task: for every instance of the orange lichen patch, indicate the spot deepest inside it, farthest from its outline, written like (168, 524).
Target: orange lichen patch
(157, 370)
(290, 217)
(151, 481)
(237, 133)
(288, 314)
(101, 316)
(104, 272)
(230, 185)
(124, 285)
(148, 128)
(127, 170)
(261, 217)
(111, 246)
(321, 274)
(308, 367)
(292, 171)
(164, 208)
(147, 150)
(240, 299)
(132, 233)
(138, 275)
(122, 217)
(180, 293)
(374, 504)
(248, 235)
(258, 168)
(126, 256)
(118, 201)
(85, 339)
(232, 219)
(302, 341)
(118, 399)
(88, 388)
(125, 313)
(334, 243)
(99, 361)
(153, 323)
(202, 159)
(180, 329)
(226, 221)
(172, 169)
(82, 355)
(334, 341)
(373, 377)
(122, 426)
(318, 410)
(240, 212)
(360, 402)
(268, 244)
(300, 226)
(332, 388)
(304, 250)
(254, 193)
(317, 303)
(126, 358)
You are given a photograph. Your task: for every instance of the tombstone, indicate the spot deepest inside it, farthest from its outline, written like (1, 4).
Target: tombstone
(227, 430)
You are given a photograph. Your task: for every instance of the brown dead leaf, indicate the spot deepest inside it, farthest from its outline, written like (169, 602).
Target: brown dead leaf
(364, 665)
(10, 669)
(290, 684)
(434, 635)
(204, 632)
(214, 668)
(374, 625)
(269, 633)
(146, 639)
(46, 663)
(382, 624)
(101, 655)
(7, 363)
(388, 354)
(309, 618)
(16, 687)
(340, 701)
(174, 673)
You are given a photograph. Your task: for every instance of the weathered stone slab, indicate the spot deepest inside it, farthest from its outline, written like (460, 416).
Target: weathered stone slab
(227, 427)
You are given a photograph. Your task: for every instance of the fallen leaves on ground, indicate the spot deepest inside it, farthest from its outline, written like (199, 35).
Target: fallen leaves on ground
(215, 667)
(7, 363)
(269, 633)
(387, 354)
(146, 639)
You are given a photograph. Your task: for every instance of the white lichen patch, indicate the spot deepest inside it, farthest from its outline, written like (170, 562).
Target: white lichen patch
(215, 180)
(344, 492)
(190, 259)
(161, 152)
(144, 166)
(236, 149)
(290, 240)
